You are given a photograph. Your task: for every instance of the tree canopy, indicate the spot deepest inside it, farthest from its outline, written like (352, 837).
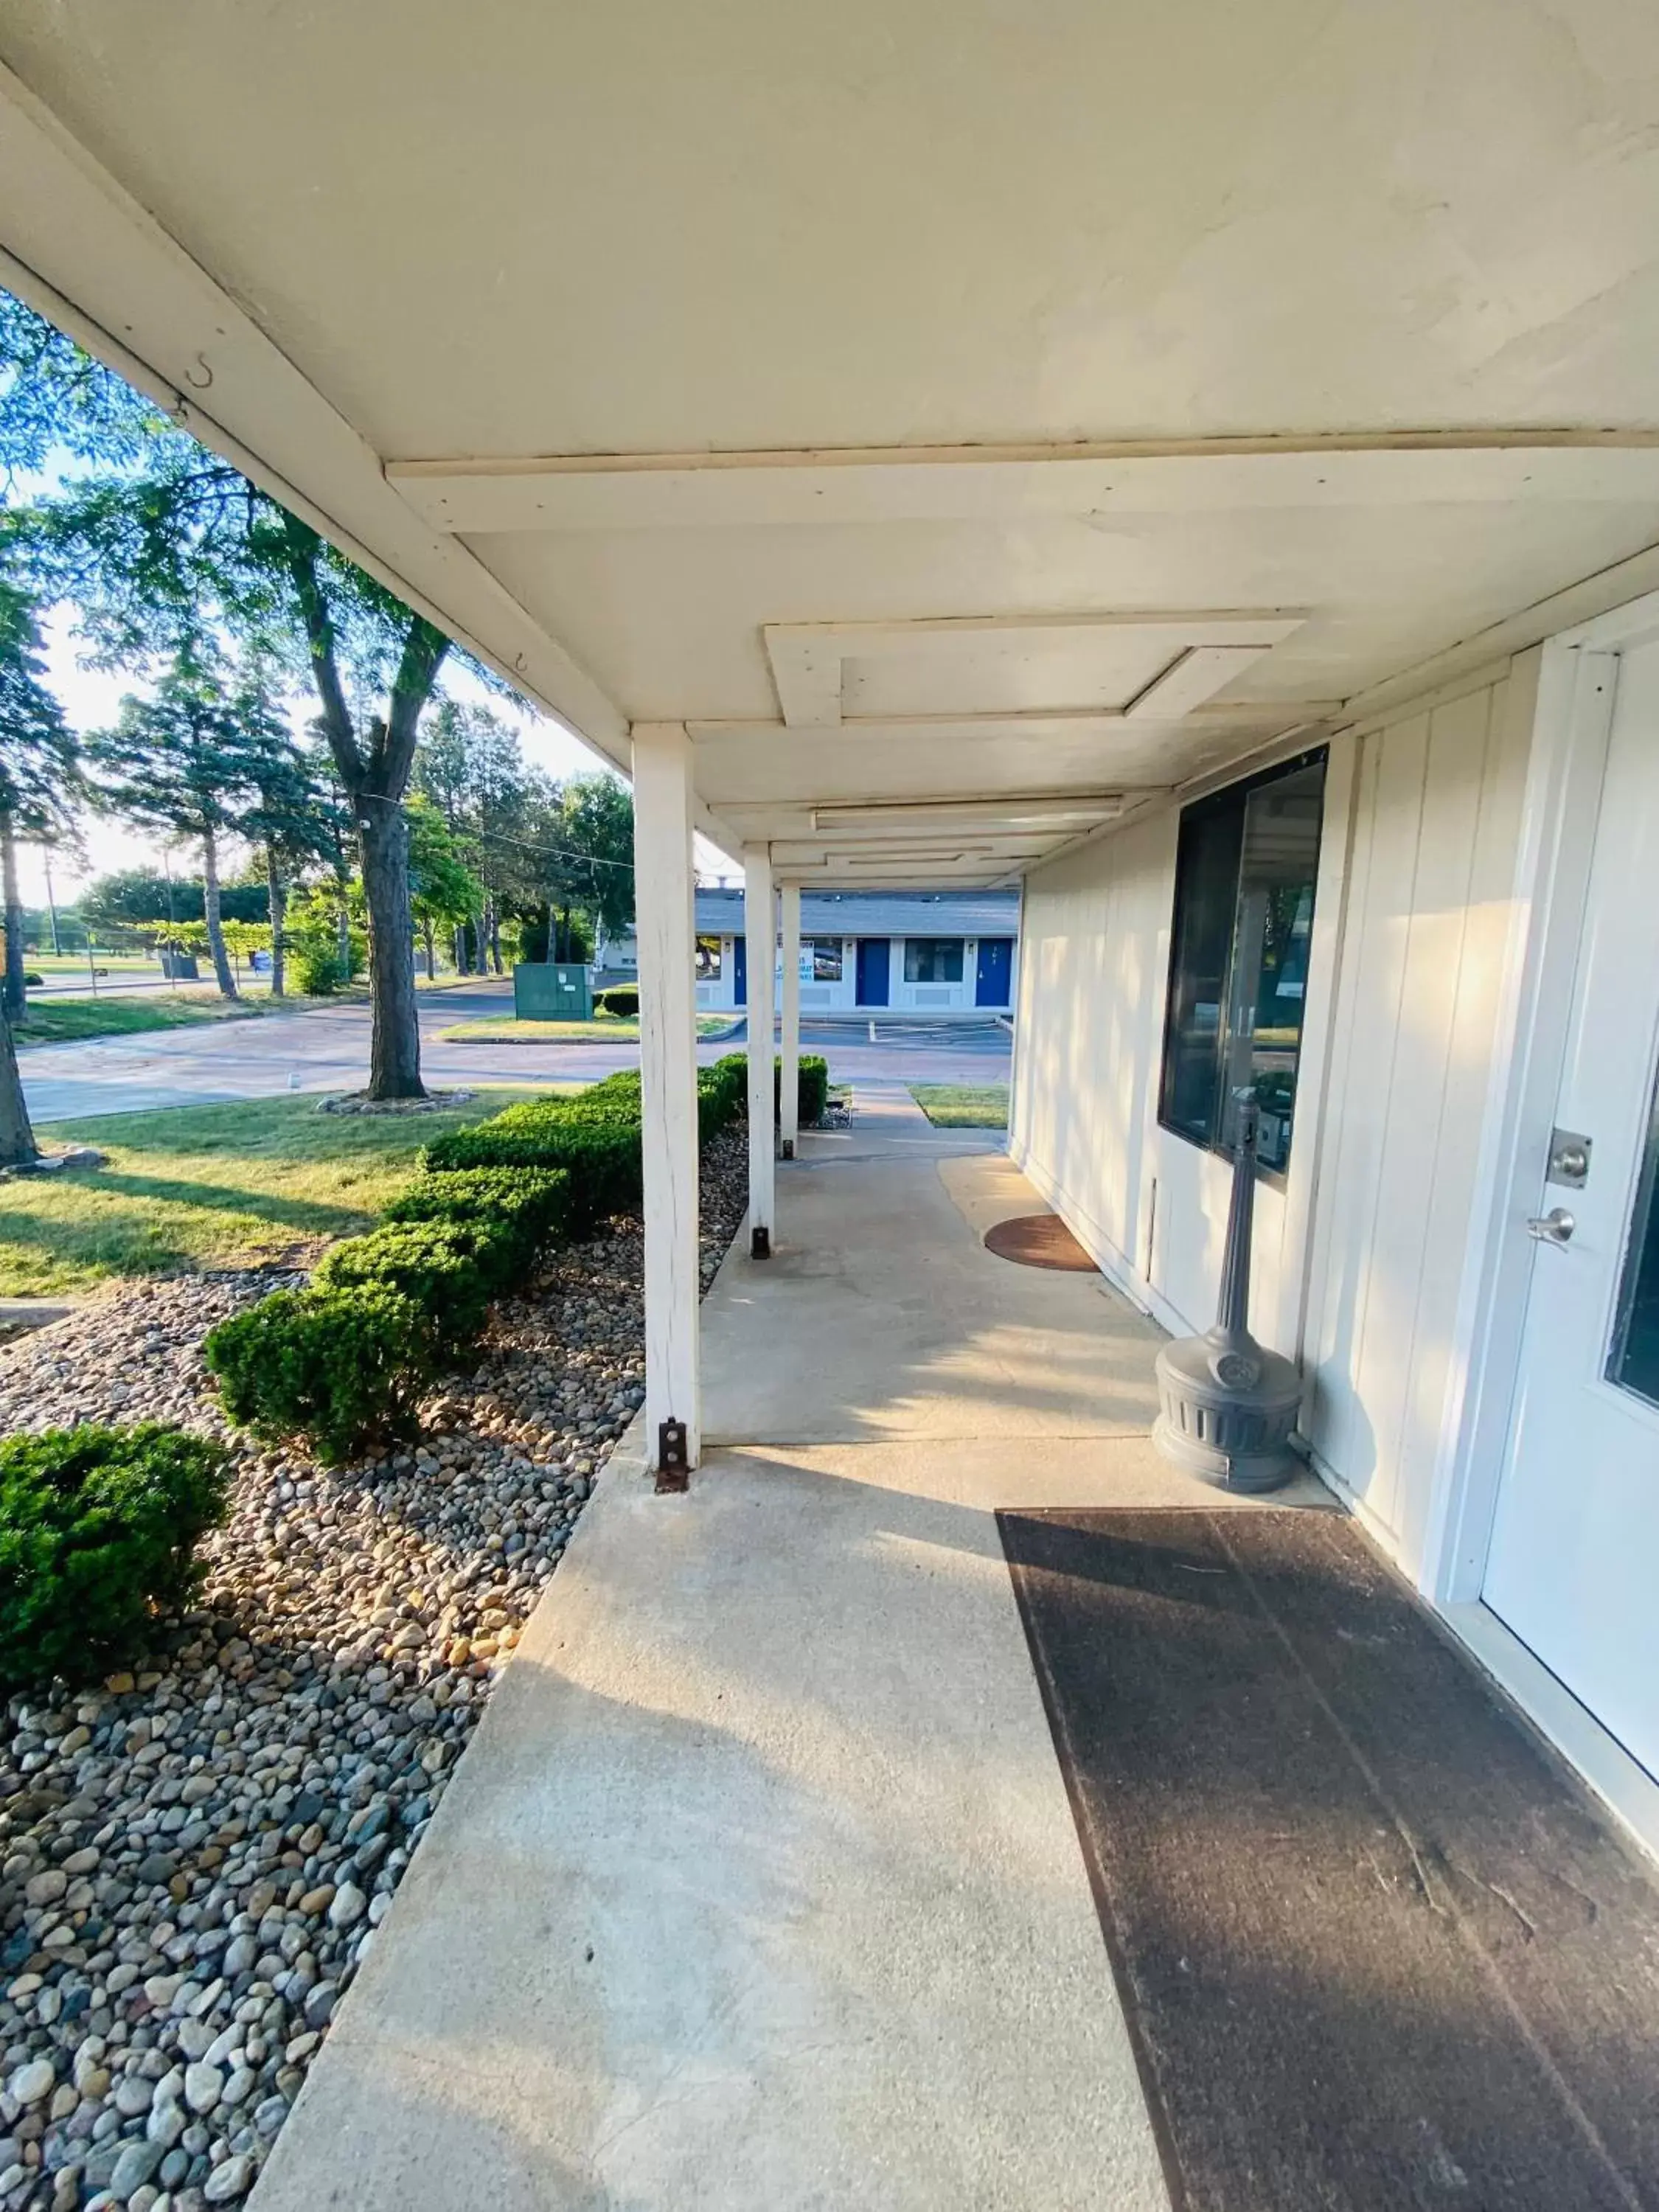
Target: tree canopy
(158, 543)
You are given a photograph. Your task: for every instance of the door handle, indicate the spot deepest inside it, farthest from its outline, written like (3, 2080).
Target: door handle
(1555, 1227)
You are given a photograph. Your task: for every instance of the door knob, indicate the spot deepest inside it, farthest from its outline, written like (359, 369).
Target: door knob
(1555, 1227)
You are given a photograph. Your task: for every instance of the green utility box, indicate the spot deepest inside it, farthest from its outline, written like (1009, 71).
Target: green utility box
(552, 991)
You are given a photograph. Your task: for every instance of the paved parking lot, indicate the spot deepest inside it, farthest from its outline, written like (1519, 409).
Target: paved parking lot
(327, 1049)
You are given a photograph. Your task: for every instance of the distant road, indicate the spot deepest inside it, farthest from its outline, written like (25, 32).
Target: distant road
(327, 1049)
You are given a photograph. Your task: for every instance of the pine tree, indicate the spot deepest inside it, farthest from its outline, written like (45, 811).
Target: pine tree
(189, 760)
(40, 778)
(291, 824)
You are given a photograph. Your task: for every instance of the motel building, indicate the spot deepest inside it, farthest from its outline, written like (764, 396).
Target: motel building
(935, 953)
(1175, 490)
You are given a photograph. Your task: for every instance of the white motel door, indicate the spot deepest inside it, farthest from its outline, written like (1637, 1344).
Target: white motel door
(1573, 1568)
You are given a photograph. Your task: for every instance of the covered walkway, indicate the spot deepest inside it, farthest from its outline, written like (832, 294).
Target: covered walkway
(759, 1885)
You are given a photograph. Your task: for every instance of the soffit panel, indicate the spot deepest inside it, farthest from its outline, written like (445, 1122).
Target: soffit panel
(653, 226)
(672, 622)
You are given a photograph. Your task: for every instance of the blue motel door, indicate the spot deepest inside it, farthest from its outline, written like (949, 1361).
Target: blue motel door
(996, 971)
(872, 960)
(740, 971)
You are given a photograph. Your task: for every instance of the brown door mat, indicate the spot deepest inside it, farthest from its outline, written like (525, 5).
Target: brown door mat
(1038, 1240)
(1376, 1946)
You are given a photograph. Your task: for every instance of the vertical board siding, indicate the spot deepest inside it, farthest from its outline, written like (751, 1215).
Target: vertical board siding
(1092, 1014)
(1151, 1207)
(1436, 826)
(1382, 1184)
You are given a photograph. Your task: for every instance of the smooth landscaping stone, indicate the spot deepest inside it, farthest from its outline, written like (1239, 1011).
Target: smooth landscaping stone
(33, 2082)
(286, 1741)
(135, 2165)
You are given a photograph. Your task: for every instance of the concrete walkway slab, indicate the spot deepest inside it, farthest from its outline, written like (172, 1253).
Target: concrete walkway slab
(758, 1887)
(881, 1313)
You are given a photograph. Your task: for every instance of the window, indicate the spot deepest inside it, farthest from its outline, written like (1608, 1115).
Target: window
(1245, 867)
(820, 959)
(1633, 1364)
(932, 960)
(709, 960)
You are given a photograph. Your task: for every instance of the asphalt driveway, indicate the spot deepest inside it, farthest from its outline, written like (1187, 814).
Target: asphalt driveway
(327, 1049)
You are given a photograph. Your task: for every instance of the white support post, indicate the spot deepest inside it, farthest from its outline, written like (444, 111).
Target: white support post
(664, 881)
(789, 1023)
(760, 923)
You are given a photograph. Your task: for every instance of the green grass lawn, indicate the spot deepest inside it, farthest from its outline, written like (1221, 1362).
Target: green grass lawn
(964, 1105)
(260, 1179)
(604, 1029)
(73, 966)
(64, 1021)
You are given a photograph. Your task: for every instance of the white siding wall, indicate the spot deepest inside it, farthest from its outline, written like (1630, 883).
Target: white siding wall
(1149, 1207)
(1359, 1260)
(1436, 826)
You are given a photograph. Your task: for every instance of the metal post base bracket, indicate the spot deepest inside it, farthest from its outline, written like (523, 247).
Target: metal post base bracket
(673, 1463)
(760, 1244)
(788, 1148)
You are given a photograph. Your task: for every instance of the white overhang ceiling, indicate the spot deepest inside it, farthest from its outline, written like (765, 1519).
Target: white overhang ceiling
(972, 422)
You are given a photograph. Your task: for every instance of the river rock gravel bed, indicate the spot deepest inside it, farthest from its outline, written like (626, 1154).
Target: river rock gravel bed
(195, 1856)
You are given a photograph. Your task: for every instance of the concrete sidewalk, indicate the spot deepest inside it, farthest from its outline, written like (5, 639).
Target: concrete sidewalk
(758, 1887)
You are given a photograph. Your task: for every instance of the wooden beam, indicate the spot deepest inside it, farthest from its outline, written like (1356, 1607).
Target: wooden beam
(663, 880)
(682, 491)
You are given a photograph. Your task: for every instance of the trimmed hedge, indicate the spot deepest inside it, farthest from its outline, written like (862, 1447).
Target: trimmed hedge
(812, 1089)
(593, 1139)
(446, 1268)
(600, 1158)
(619, 998)
(526, 1207)
(98, 1532)
(341, 1368)
(344, 1362)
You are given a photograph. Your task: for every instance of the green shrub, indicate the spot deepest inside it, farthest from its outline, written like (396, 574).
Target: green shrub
(812, 1089)
(318, 970)
(600, 1156)
(621, 999)
(444, 1267)
(98, 1531)
(32, 979)
(528, 1207)
(727, 1085)
(345, 1360)
(341, 1368)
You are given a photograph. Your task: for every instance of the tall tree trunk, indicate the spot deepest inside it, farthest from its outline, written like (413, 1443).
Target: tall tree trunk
(216, 935)
(17, 1144)
(277, 897)
(13, 997)
(431, 952)
(496, 937)
(460, 948)
(375, 775)
(394, 1055)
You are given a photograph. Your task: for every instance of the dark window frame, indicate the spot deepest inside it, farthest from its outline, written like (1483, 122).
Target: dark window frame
(936, 946)
(1219, 818)
(828, 942)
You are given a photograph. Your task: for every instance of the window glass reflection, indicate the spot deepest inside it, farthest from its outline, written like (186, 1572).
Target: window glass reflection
(1246, 864)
